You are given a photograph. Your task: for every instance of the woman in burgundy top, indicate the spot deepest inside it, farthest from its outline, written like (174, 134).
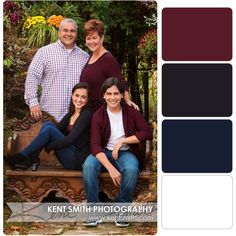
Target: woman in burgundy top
(101, 65)
(69, 138)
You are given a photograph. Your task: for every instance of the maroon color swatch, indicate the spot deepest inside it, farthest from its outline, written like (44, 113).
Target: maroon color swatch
(197, 34)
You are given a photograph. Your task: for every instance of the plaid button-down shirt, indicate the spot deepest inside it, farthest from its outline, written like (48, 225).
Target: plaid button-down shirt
(57, 70)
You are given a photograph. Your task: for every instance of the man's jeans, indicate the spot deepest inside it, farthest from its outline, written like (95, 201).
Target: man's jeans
(47, 134)
(127, 165)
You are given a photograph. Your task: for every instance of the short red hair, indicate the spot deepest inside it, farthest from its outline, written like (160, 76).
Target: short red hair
(94, 25)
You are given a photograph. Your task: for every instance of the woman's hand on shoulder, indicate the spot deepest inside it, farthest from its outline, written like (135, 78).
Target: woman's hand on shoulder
(130, 103)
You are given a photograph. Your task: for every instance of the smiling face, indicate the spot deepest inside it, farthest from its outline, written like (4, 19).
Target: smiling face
(113, 98)
(93, 41)
(68, 34)
(80, 98)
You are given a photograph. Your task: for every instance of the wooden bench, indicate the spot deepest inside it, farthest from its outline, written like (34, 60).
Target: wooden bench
(33, 186)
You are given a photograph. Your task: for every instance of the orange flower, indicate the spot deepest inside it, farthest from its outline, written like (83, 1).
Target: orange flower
(55, 20)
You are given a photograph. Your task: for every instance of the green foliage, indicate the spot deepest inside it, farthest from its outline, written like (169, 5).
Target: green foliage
(99, 10)
(151, 21)
(14, 105)
(6, 22)
(40, 35)
(15, 62)
(41, 8)
(147, 46)
(7, 62)
(12, 16)
(14, 56)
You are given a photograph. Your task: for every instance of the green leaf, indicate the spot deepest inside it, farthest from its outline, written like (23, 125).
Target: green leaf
(7, 62)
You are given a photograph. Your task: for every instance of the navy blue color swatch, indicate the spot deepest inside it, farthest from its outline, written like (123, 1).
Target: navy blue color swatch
(197, 90)
(197, 146)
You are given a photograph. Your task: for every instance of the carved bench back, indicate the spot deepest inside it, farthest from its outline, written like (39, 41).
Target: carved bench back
(26, 130)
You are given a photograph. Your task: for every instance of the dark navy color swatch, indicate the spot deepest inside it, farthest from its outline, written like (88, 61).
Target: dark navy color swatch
(197, 90)
(197, 146)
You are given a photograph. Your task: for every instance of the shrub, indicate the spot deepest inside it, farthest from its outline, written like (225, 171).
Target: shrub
(147, 46)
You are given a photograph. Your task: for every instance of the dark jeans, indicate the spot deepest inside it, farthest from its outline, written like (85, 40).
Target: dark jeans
(127, 164)
(47, 134)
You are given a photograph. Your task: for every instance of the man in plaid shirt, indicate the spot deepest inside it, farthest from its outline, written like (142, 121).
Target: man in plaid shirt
(57, 68)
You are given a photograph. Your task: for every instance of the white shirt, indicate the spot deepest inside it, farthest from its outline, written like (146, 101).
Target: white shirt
(117, 130)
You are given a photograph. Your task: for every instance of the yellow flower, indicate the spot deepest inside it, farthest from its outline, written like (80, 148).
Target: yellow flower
(33, 20)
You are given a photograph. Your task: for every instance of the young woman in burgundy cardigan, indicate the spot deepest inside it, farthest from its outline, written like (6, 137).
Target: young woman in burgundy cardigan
(116, 130)
(69, 138)
(101, 65)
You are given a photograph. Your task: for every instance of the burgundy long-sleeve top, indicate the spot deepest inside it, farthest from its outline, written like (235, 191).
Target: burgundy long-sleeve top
(96, 73)
(134, 124)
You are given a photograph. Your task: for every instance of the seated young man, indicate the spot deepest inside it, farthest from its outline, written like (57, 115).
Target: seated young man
(116, 130)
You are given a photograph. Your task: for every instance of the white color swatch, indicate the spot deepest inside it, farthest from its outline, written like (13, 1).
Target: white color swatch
(197, 202)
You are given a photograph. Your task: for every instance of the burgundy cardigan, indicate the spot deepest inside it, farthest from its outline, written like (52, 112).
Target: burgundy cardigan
(134, 124)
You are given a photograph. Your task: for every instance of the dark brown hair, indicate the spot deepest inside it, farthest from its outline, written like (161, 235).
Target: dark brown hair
(81, 85)
(110, 82)
(94, 25)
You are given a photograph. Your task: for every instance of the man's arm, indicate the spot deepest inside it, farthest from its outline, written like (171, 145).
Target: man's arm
(128, 140)
(34, 78)
(142, 133)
